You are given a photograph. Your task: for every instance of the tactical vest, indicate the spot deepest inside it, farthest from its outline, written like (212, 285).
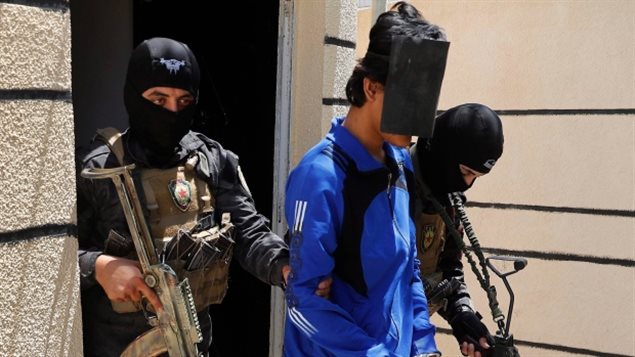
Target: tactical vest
(430, 240)
(430, 243)
(176, 198)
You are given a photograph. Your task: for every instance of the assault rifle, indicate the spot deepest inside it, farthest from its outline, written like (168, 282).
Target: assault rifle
(503, 340)
(175, 327)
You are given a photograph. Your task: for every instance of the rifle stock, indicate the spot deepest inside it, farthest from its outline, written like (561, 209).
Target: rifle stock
(176, 330)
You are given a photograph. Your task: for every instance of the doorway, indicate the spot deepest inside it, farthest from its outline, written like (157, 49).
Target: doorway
(237, 100)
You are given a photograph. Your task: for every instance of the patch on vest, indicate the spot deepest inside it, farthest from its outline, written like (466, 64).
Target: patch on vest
(181, 193)
(428, 235)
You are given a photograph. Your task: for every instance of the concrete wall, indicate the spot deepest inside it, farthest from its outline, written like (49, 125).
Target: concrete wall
(39, 286)
(562, 76)
(316, 47)
(323, 59)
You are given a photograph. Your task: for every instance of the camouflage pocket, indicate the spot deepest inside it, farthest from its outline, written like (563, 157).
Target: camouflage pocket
(209, 285)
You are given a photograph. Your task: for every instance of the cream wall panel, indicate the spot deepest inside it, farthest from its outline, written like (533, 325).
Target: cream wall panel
(572, 161)
(36, 47)
(308, 68)
(39, 300)
(568, 299)
(538, 54)
(319, 70)
(37, 155)
(572, 304)
(363, 28)
(448, 346)
(533, 54)
(580, 234)
(339, 61)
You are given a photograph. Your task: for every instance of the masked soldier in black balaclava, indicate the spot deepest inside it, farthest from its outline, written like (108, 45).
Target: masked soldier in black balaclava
(186, 183)
(467, 141)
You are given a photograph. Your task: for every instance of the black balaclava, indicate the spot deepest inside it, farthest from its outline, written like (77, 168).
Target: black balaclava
(160, 62)
(469, 134)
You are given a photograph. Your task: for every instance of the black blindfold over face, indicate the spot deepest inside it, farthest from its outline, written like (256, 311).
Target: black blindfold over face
(413, 85)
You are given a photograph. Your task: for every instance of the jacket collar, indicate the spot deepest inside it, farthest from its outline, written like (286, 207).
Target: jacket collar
(356, 151)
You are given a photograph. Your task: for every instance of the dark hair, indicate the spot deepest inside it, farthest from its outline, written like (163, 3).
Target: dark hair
(402, 19)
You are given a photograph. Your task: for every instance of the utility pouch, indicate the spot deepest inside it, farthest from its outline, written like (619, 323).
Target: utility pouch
(214, 245)
(203, 258)
(444, 289)
(437, 291)
(118, 245)
(179, 247)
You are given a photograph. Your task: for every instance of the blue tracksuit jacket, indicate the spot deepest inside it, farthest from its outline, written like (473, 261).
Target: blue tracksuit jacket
(350, 218)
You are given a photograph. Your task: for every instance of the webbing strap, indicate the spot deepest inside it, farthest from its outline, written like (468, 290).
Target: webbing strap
(111, 136)
(483, 278)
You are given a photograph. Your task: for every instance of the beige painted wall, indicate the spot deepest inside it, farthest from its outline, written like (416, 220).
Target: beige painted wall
(533, 54)
(530, 55)
(319, 70)
(39, 288)
(307, 74)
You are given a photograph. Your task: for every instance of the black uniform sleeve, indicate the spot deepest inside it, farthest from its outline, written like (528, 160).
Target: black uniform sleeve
(88, 251)
(98, 211)
(258, 249)
(452, 267)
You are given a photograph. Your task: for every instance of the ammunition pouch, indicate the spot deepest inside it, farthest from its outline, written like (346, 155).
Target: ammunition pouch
(203, 256)
(118, 245)
(437, 292)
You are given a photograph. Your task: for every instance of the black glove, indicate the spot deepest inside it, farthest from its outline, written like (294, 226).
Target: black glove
(467, 327)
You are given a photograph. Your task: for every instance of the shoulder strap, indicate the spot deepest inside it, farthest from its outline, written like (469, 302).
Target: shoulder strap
(112, 137)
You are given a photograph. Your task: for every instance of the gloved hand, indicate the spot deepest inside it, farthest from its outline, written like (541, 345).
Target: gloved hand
(467, 327)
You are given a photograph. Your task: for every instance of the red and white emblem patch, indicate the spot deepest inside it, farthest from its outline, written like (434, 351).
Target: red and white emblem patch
(181, 193)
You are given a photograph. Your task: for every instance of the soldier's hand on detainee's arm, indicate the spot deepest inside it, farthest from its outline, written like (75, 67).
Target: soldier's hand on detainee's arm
(323, 289)
(122, 280)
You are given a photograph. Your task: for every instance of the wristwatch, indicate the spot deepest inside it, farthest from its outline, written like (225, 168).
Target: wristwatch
(433, 354)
